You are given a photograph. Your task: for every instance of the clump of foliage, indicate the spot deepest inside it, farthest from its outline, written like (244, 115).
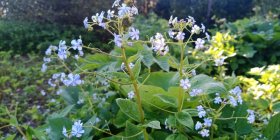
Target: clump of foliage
(147, 88)
(256, 43)
(27, 37)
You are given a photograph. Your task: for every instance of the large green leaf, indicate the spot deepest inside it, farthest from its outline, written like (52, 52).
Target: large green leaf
(185, 119)
(147, 57)
(273, 127)
(168, 100)
(207, 84)
(162, 61)
(163, 79)
(92, 62)
(129, 108)
(132, 130)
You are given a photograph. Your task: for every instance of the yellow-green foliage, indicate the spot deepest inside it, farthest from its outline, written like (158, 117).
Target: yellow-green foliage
(221, 45)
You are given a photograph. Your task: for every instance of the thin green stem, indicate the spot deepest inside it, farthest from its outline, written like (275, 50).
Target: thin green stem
(136, 90)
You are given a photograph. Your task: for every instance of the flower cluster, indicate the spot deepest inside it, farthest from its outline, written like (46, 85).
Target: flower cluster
(199, 44)
(234, 98)
(68, 80)
(62, 51)
(219, 61)
(203, 127)
(158, 44)
(77, 130)
(196, 92)
(185, 84)
(100, 19)
(251, 117)
(204, 132)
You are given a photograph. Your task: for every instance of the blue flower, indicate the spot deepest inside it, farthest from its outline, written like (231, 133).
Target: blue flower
(219, 61)
(64, 132)
(199, 44)
(195, 30)
(207, 122)
(133, 33)
(180, 36)
(86, 23)
(110, 14)
(77, 129)
(251, 117)
(117, 40)
(116, 3)
(204, 133)
(77, 44)
(185, 84)
(72, 80)
(201, 111)
(195, 92)
(198, 125)
(130, 94)
(123, 10)
(62, 50)
(217, 99)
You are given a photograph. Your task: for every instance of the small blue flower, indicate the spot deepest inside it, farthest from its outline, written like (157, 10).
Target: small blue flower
(117, 40)
(199, 44)
(86, 25)
(204, 133)
(130, 95)
(198, 125)
(62, 50)
(116, 3)
(195, 92)
(195, 29)
(219, 61)
(77, 129)
(201, 111)
(123, 10)
(77, 44)
(185, 84)
(133, 33)
(207, 122)
(44, 68)
(251, 117)
(180, 36)
(72, 80)
(110, 14)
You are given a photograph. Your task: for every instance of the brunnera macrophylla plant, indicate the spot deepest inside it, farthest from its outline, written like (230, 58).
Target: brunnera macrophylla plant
(159, 95)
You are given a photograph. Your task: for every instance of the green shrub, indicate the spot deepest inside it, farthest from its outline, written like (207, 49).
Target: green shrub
(25, 37)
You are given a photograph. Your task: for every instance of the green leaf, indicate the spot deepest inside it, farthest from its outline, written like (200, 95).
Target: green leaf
(129, 108)
(153, 124)
(10, 137)
(168, 100)
(163, 79)
(131, 130)
(147, 57)
(137, 68)
(207, 84)
(95, 61)
(273, 127)
(120, 119)
(56, 126)
(276, 107)
(176, 137)
(247, 51)
(70, 95)
(185, 119)
(133, 58)
(63, 113)
(162, 61)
